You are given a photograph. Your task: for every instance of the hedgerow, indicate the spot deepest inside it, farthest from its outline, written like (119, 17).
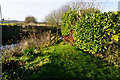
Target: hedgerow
(68, 21)
(97, 33)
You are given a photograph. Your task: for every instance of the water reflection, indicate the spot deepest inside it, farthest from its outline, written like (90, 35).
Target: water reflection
(8, 46)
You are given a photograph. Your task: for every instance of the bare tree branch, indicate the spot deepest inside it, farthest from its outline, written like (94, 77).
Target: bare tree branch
(55, 17)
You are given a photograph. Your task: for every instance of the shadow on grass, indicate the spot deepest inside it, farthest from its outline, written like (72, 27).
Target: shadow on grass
(65, 62)
(77, 66)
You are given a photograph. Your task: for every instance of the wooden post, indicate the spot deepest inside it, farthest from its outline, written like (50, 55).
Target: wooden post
(50, 37)
(56, 36)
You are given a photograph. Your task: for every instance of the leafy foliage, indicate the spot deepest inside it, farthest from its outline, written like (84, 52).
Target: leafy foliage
(68, 20)
(72, 16)
(96, 33)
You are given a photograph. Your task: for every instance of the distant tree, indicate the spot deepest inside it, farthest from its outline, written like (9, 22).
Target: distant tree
(55, 17)
(82, 4)
(86, 7)
(30, 19)
(89, 11)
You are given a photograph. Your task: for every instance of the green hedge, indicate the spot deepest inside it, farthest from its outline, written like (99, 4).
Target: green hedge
(68, 21)
(98, 33)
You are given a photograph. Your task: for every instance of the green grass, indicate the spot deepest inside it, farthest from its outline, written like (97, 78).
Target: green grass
(61, 61)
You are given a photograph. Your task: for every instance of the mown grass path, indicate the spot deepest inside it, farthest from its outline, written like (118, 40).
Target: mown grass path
(65, 61)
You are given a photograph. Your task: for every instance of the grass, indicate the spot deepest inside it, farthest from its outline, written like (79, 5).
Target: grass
(58, 61)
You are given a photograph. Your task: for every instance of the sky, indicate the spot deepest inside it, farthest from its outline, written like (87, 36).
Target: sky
(19, 9)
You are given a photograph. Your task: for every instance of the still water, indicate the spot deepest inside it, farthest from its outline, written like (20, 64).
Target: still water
(8, 46)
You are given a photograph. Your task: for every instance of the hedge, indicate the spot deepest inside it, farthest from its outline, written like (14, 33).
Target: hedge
(68, 21)
(97, 33)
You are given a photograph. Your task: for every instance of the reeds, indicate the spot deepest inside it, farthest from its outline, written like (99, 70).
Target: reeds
(34, 39)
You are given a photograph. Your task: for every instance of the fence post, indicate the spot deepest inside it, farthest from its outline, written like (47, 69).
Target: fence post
(49, 37)
(57, 35)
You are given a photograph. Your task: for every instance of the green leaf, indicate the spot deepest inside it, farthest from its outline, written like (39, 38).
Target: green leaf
(115, 37)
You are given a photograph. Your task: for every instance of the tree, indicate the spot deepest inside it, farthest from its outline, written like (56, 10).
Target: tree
(89, 11)
(30, 19)
(86, 7)
(55, 17)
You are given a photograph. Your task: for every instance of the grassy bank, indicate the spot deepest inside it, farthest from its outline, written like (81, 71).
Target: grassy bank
(57, 61)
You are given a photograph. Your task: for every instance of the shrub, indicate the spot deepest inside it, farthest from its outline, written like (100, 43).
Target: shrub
(72, 16)
(68, 20)
(96, 33)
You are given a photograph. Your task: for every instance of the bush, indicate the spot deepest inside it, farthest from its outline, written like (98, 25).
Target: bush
(72, 16)
(30, 19)
(97, 33)
(68, 20)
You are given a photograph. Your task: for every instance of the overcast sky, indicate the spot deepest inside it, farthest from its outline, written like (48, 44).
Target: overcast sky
(19, 9)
